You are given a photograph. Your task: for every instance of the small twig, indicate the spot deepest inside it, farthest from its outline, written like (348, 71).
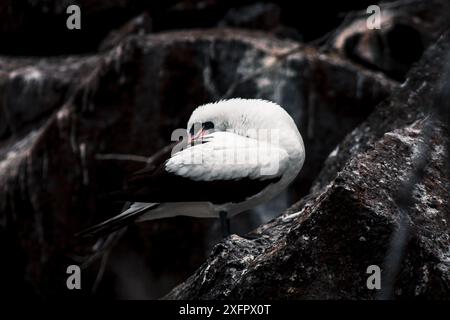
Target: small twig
(101, 271)
(122, 157)
(112, 241)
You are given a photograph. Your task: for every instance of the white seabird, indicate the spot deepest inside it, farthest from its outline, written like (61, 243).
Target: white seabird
(244, 152)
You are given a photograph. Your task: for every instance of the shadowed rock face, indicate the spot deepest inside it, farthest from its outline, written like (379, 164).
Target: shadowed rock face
(30, 27)
(321, 247)
(406, 29)
(128, 101)
(31, 89)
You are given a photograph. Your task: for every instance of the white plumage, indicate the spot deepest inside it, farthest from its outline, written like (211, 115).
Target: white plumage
(229, 156)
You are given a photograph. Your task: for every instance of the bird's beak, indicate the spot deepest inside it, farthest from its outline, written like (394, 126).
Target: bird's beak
(198, 136)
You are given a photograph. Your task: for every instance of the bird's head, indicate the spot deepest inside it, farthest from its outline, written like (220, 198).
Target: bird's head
(253, 118)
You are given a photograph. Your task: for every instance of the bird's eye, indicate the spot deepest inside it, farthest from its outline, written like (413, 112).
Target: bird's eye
(205, 126)
(208, 125)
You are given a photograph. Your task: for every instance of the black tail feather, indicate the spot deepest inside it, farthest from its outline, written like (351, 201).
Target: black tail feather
(118, 222)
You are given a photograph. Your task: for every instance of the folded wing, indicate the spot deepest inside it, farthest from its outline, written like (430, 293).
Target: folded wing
(224, 168)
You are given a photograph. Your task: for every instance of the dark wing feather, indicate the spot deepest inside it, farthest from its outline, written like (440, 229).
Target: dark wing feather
(158, 185)
(155, 184)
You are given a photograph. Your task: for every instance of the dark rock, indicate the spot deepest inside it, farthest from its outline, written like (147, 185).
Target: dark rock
(132, 98)
(139, 25)
(321, 247)
(30, 27)
(32, 89)
(261, 16)
(391, 115)
(407, 28)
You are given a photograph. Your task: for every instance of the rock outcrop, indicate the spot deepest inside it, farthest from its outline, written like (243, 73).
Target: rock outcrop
(405, 29)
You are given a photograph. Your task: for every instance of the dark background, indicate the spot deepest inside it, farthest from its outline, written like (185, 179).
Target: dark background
(31, 28)
(119, 90)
